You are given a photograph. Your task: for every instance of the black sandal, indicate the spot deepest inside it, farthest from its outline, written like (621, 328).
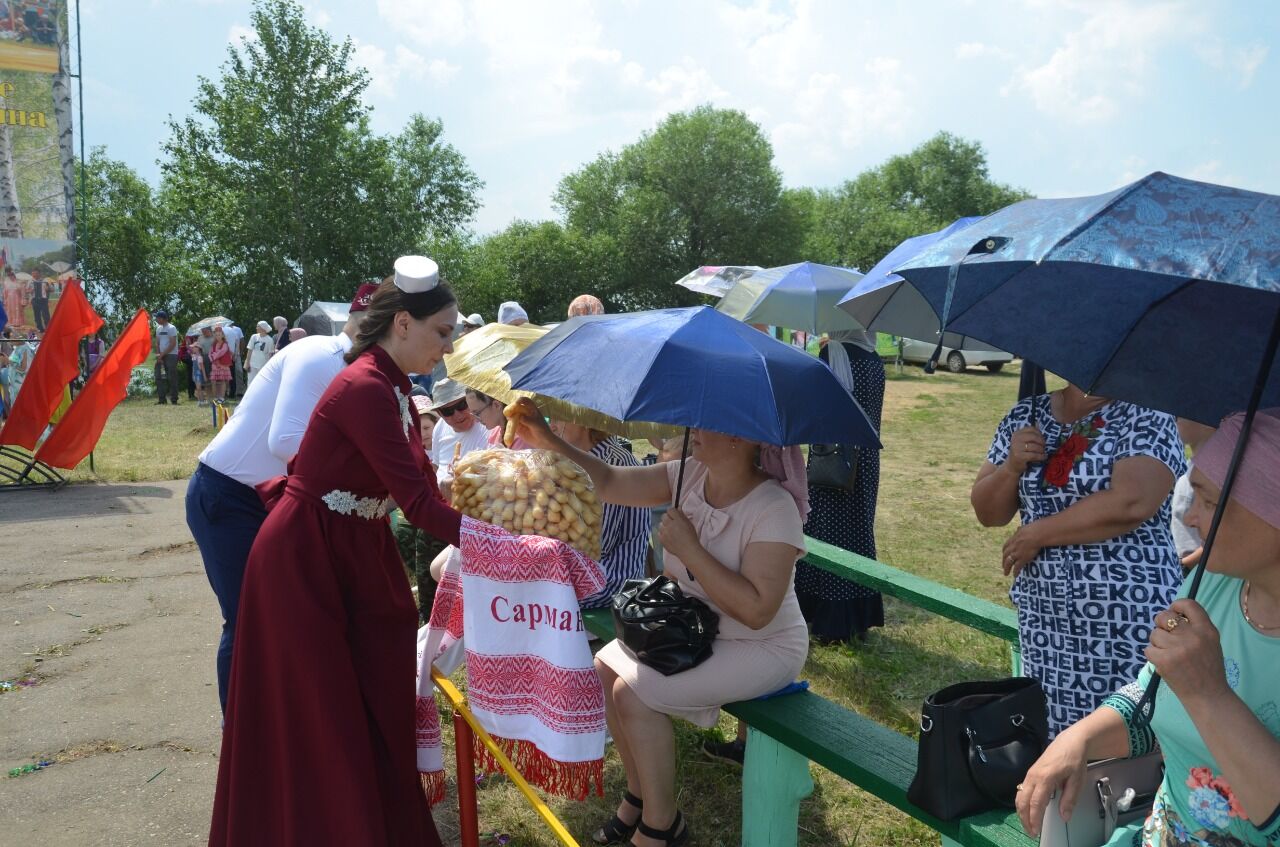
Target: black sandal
(615, 831)
(673, 836)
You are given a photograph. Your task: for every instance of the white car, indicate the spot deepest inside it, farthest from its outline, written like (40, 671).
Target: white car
(954, 360)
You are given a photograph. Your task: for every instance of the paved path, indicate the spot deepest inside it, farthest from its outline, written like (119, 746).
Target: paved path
(104, 601)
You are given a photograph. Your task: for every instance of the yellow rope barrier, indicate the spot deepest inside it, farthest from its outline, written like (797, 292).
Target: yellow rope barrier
(454, 696)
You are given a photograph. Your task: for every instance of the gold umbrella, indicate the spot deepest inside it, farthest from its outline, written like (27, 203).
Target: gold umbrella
(478, 359)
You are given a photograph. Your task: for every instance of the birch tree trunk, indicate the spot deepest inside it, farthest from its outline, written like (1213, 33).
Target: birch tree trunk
(10, 213)
(62, 115)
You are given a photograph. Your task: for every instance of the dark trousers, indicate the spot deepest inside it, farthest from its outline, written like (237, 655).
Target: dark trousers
(167, 377)
(224, 517)
(40, 305)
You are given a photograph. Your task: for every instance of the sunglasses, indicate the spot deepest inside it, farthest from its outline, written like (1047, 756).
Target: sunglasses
(450, 411)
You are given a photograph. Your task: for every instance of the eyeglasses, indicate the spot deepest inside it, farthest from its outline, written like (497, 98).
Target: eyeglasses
(450, 411)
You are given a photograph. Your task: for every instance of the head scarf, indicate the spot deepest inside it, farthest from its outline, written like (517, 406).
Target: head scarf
(786, 465)
(511, 311)
(1257, 484)
(838, 359)
(422, 403)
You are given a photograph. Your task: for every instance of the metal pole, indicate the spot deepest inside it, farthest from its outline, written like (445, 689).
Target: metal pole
(468, 815)
(82, 229)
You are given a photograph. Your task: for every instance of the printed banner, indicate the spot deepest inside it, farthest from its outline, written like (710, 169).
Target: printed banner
(37, 161)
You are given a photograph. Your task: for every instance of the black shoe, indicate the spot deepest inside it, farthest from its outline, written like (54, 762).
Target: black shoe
(673, 836)
(734, 751)
(615, 831)
(161, 402)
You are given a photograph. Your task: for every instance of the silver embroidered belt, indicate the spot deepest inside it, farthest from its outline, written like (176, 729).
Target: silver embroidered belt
(347, 503)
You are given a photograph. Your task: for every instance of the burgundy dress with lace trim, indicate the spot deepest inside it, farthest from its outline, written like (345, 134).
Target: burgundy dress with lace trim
(318, 746)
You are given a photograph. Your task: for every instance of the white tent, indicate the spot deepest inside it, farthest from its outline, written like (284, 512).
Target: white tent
(324, 318)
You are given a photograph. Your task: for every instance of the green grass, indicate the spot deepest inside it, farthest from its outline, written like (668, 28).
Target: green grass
(143, 441)
(936, 432)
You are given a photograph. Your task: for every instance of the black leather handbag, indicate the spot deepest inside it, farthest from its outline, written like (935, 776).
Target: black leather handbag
(665, 629)
(833, 466)
(977, 742)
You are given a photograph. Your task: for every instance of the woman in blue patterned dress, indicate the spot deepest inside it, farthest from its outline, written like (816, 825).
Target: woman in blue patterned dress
(1094, 558)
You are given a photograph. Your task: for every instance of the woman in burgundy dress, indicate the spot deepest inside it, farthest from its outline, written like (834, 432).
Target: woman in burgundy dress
(318, 746)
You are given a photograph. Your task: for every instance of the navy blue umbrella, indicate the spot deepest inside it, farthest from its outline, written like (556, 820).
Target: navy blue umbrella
(1165, 292)
(694, 368)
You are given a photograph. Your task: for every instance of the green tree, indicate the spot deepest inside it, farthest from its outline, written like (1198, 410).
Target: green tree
(280, 190)
(943, 179)
(699, 189)
(128, 259)
(543, 266)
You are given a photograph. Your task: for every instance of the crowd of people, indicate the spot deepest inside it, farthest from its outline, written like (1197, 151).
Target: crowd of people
(218, 360)
(287, 507)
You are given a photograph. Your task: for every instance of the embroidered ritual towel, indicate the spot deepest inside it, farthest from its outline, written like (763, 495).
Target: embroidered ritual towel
(530, 679)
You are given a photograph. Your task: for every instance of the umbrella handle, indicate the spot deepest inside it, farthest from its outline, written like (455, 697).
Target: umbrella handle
(684, 453)
(1147, 703)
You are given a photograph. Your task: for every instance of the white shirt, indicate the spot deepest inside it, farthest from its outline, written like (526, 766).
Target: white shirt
(267, 427)
(444, 437)
(260, 349)
(166, 340)
(234, 336)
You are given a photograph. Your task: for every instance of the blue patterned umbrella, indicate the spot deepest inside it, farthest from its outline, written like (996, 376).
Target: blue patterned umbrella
(1164, 292)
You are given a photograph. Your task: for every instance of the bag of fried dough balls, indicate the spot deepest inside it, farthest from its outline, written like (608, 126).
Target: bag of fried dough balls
(530, 492)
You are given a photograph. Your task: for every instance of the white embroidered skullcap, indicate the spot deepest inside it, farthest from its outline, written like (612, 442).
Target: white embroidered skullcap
(416, 274)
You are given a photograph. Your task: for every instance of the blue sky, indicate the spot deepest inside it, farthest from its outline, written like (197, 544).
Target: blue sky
(1069, 97)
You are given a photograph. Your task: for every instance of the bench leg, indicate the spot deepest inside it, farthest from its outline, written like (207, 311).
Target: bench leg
(774, 781)
(1015, 659)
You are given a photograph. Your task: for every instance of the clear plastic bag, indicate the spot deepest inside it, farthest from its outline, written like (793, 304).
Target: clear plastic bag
(530, 492)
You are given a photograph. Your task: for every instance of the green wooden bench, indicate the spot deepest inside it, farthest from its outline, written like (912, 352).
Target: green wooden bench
(786, 733)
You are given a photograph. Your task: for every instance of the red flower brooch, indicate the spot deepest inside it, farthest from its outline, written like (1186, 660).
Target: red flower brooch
(1057, 470)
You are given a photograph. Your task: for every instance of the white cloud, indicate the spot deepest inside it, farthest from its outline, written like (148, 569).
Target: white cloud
(680, 87)
(427, 21)
(1133, 169)
(1241, 61)
(978, 50)
(386, 71)
(1213, 171)
(1106, 61)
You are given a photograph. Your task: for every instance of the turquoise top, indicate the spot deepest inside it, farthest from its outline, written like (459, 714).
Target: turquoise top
(1195, 805)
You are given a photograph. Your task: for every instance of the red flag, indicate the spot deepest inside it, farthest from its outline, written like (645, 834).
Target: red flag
(57, 362)
(78, 431)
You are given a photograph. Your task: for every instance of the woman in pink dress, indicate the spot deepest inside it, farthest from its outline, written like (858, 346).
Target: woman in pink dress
(13, 302)
(220, 364)
(733, 543)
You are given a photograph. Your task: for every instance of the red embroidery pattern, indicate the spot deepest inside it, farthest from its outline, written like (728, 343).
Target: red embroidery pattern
(428, 723)
(493, 553)
(446, 609)
(566, 700)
